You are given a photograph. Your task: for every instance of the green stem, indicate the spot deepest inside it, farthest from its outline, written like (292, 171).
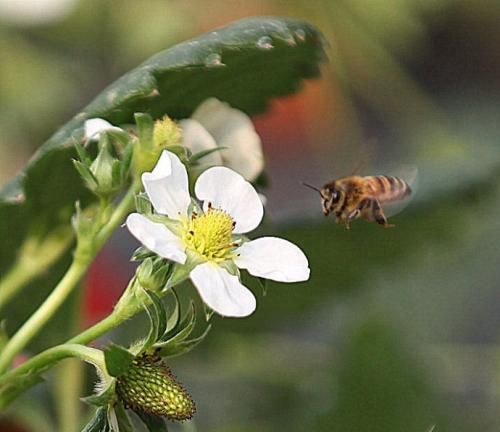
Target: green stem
(36, 254)
(69, 281)
(67, 388)
(36, 321)
(47, 358)
(110, 322)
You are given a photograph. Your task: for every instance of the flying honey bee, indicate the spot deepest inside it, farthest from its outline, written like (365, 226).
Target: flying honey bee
(352, 197)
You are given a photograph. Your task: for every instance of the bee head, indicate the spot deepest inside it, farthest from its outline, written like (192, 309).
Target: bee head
(330, 196)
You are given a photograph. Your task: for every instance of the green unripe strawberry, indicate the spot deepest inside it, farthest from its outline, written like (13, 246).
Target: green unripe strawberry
(149, 386)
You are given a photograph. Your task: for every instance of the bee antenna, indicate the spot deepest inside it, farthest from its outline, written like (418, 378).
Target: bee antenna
(311, 187)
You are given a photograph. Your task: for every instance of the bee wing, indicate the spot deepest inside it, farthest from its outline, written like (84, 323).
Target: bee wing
(408, 173)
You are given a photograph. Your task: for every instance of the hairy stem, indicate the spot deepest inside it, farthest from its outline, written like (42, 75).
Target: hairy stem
(48, 358)
(36, 321)
(69, 281)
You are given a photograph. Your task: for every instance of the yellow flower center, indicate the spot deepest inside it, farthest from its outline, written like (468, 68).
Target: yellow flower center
(210, 235)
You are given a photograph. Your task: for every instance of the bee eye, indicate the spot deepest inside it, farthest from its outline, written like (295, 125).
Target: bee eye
(335, 196)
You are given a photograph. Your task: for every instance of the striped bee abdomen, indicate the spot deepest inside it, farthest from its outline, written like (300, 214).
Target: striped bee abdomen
(388, 188)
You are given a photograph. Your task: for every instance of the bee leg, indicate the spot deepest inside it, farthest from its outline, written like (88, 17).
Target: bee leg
(379, 215)
(354, 215)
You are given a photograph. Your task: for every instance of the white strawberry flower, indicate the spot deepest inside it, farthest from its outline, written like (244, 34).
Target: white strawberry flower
(94, 126)
(211, 242)
(215, 123)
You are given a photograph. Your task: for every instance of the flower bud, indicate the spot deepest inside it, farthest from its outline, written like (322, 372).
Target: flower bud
(105, 175)
(166, 133)
(149, 386)
(153, 138)
(152, 274)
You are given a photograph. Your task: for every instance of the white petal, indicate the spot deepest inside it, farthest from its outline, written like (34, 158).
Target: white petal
(167, 186)
(94, 127)
(227, 190)
(222, 291)
(156, 237)
(273, 258)
(196, 138)
(233, 129)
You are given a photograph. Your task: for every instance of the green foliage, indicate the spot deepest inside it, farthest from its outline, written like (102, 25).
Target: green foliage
(98, 423)
(123, 419)
(232, 64)
(152, 422)
(118, 359)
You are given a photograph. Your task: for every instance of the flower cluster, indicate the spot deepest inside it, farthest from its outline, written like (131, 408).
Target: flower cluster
(205, 235)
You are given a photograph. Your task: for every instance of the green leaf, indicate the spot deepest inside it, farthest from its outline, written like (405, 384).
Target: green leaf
(98, 423)
(229, 64)
(124, 423)
(153, 423)
(118, 359)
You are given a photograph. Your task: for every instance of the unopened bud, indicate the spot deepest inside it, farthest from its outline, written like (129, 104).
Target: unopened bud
(166, 133)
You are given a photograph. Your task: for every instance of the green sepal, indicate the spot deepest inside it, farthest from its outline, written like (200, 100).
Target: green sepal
(103, 398)
(98, 423)
(143, 204)
(153, 423)
(158, 319)
(153, 272)
(123, 419)
(145, 155)
(181, 272)
(195, 158)
(87, 176)
(263, 284)
(180, 348)
(82, 153)
(126, 159)
(209, 313)
(118, 360)
(117, 177)
(175, 341)
(121, 139)
(159, 311)
(145, 127)
(181, 151)
(141, 253)
(186, 327)
(174, 318)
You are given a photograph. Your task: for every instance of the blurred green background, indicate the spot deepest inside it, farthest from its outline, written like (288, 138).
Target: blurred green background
(397, 329)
